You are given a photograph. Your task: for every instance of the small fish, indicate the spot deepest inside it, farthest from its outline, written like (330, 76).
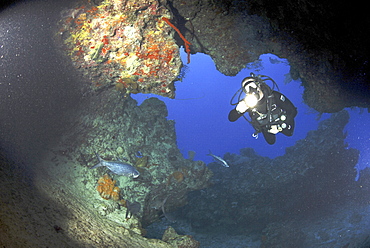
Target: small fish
(139, 154)
(218, 159)
(133, 208)
(117, 167)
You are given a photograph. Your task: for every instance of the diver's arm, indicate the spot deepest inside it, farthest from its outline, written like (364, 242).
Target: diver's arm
(236, 113)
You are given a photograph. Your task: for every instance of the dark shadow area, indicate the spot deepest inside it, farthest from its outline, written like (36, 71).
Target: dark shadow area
(318, 26)
(38, 85)
(7, 3)
(37, 88)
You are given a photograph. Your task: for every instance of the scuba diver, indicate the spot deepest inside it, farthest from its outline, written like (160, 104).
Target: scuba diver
(270, 111)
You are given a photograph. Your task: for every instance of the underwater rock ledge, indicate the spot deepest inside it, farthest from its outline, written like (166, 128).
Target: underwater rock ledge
(115, 127)
(96, 207)
(134, 45)
(314, 176)
(235, 33)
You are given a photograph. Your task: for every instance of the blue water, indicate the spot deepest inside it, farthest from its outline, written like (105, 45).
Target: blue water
(202, 105)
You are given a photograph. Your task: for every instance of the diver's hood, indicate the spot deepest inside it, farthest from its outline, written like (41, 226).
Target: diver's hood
(249, 80)
(252, 89)
(249, 86)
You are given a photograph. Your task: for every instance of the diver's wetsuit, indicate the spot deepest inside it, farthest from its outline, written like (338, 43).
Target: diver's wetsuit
(280, 105)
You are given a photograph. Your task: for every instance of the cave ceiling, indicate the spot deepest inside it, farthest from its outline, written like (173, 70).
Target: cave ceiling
(326, 46)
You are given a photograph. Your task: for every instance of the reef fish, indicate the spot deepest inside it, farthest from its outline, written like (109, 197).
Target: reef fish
(218, 159)
(117, 167)
(132, 208)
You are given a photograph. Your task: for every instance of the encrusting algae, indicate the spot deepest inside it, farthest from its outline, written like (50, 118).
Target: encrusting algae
(107, 189)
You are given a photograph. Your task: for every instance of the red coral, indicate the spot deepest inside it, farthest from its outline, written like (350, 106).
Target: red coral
(105, 40)
(186, 42)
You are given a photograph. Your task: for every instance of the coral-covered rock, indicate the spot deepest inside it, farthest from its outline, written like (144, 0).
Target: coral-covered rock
(128, 44)
(177, 176)
(117, 128)
(180, 241)
(107, 189)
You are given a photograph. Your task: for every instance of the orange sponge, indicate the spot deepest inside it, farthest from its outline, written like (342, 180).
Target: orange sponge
(107, 189)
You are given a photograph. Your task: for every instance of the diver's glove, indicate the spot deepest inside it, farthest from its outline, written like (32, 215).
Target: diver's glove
(242, 107)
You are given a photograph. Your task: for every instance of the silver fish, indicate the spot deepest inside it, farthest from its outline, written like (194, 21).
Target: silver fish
(218, 159)
(117, 167)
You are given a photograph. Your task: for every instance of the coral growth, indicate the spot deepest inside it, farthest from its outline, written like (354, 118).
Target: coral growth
(126, 44)
(141, 162)
(170, 236)
(127, 86)
(107, 189)
(150, 145)
(122, 203)
(186, 42)
(177, 175)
